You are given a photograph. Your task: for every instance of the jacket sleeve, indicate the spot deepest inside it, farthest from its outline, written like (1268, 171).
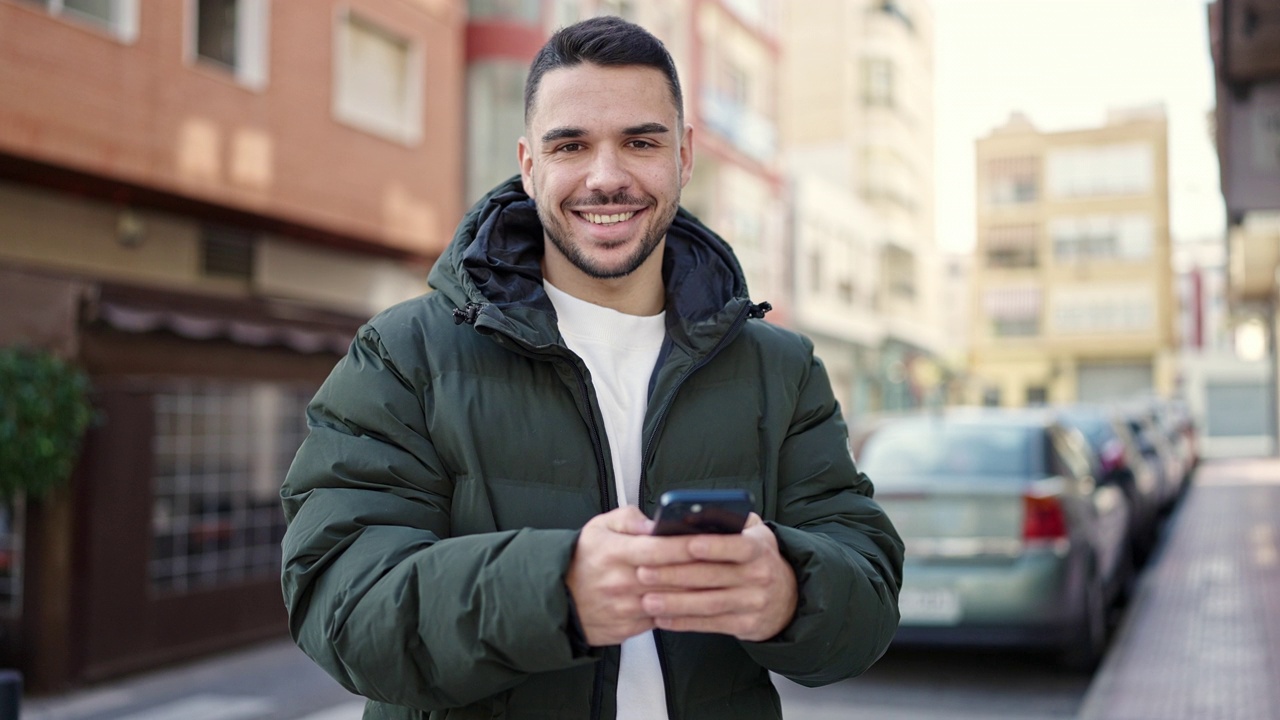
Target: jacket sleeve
(846, 554)
(377, 591)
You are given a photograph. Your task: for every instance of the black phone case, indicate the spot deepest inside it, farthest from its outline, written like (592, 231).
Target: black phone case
(696, 512)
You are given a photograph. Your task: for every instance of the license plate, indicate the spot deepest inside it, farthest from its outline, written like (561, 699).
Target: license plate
(929, 607)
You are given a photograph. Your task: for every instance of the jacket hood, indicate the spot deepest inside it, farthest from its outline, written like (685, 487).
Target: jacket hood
(492, 268)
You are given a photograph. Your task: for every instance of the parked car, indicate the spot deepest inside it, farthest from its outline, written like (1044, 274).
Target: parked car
(1122, 462)
(1012, 536)
(1153, 441)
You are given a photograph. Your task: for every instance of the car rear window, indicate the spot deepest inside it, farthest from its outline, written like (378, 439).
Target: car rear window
(915, 448)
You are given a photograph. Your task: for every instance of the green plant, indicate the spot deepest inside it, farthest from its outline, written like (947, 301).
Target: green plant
(44, 411)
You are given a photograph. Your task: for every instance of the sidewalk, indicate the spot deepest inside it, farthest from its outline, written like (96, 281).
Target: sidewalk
(1202, 638)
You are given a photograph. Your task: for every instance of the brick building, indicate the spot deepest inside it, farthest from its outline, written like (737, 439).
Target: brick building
(199, 203)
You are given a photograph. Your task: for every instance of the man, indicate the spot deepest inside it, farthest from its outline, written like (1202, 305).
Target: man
(468, 532)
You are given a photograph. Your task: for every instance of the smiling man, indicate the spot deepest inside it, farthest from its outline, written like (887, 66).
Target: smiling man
(468, 519)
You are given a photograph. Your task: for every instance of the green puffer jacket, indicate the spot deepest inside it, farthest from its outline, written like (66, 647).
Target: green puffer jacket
(458, 448)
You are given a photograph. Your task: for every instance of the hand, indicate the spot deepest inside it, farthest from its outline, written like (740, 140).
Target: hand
(602, 576)
(739, 585)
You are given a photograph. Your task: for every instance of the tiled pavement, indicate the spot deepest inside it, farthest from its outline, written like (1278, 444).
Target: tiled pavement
(1202, 639)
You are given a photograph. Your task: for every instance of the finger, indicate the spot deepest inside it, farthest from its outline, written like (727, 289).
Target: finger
(738, 548)
(740, 626)
(753, 520)
(704, 603)
(654, 551)
(692, 576)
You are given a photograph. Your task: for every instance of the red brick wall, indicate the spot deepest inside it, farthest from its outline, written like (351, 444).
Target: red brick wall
(75, 97)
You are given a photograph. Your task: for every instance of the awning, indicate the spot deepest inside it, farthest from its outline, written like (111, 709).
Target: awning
(1013, 303)
(253, 322)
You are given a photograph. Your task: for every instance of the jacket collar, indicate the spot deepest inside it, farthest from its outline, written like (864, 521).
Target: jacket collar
(492, 272)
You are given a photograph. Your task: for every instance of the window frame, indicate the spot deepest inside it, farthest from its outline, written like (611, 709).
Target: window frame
(123, 27)
(253, 32)
(406, 130)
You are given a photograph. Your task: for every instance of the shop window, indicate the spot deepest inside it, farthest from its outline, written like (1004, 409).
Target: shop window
(117, 17)
(378, 87)
(221, 451)
(10, 559)
(232, 35)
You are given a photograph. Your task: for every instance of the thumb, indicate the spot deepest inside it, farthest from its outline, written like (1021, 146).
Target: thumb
(627, 520)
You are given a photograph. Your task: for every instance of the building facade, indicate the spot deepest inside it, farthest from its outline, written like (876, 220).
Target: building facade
(1243, 37)
(857, 116)
(200, 201)
(1072, 286)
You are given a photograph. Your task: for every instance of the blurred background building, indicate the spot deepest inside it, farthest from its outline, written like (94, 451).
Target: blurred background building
(1244, 36)
(857, 120)
(200, 202)
(1072, 297)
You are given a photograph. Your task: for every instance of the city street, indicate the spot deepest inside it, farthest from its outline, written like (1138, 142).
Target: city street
(1199, 640)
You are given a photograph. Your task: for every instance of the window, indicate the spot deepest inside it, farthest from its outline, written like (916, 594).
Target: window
(1014, 312)
(378, 87)
(1013, 180)
(877, 79)
(1102, 237)
(227, 252)
(1102, 170)
(117, 17)
(231, 35)
(522, 10)
(1012, 246)
(220, 452)
(1037, 395)
(1109, 309)
(10, 558)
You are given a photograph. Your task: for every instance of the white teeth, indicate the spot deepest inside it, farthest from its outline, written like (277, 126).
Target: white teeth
(607, 219)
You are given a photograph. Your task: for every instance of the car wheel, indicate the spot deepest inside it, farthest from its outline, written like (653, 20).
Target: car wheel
(1087, 645)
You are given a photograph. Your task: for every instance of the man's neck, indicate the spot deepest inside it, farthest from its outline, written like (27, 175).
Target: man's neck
(640, 293)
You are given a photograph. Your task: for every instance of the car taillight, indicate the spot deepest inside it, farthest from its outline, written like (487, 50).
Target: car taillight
(1044, 518)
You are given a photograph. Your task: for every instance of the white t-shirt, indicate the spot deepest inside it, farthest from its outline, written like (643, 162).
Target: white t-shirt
(620, 351)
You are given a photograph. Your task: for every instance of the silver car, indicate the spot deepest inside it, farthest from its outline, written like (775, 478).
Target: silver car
(1012, 539)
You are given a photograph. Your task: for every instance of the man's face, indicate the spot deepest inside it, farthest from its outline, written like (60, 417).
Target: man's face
(605, 158)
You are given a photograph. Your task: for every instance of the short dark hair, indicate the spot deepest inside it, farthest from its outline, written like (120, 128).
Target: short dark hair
(606, 41)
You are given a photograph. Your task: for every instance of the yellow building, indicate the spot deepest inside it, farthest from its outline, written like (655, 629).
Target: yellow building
(1071, 294)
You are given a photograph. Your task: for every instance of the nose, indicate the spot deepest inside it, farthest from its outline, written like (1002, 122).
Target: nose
(608, 172)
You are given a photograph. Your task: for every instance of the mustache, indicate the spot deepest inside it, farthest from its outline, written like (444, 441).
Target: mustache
(599, 199)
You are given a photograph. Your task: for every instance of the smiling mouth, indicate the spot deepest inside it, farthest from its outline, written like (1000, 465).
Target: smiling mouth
(598, 219)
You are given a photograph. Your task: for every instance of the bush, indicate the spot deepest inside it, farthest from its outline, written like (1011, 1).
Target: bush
(44, 411)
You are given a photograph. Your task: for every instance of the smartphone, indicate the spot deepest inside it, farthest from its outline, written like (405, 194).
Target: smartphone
(695, 512)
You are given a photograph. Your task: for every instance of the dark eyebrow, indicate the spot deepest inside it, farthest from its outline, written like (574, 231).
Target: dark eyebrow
(652, 128)
(567, 133)
(562, 133)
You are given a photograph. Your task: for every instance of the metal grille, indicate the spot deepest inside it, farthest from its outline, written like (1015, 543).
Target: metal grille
(221, 451)
(227, 252)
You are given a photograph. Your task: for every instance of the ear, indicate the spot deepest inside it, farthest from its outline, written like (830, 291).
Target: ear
(524, 155)
(686, 155)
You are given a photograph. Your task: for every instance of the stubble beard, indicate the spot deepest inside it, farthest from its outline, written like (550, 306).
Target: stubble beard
(558, 233)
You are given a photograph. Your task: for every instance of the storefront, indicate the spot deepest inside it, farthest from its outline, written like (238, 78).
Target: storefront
(166, 543)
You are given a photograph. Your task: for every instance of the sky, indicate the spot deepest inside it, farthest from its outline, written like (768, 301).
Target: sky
(1063, 63)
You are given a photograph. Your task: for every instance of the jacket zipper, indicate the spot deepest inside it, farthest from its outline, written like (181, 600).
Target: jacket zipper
(471, 314)
(749, 311)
